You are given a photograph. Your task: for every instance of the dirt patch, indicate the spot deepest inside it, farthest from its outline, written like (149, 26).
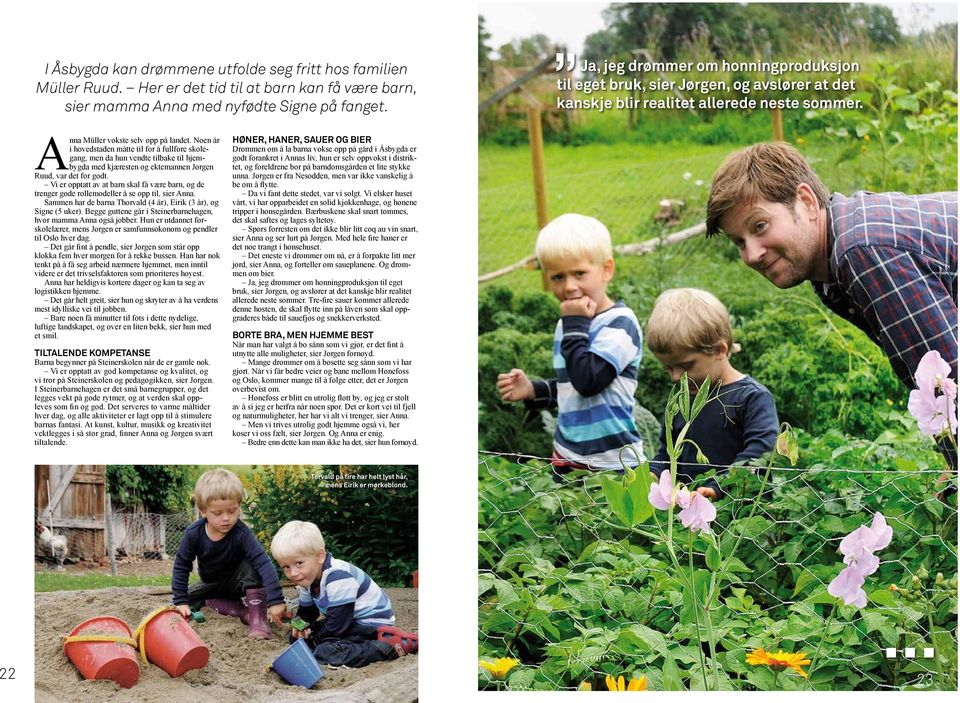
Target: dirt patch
(237, 667)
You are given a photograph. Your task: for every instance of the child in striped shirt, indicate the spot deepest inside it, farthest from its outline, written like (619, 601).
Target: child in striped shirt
(596, 352)
(349, 618)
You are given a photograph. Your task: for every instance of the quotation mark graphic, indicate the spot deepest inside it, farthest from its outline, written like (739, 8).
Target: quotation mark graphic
(910, 653)
(568, 60)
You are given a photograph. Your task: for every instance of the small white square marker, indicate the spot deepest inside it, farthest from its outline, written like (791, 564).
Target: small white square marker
(910, 653)
(928, 652)
(891, 652)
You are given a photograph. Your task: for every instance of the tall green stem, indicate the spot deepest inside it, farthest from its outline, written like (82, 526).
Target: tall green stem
(710, 638)
(936, 659)
(826, 631)
(690, 585)
(696, 615)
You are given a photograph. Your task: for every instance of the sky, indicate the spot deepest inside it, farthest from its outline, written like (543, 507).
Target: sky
(570, 23)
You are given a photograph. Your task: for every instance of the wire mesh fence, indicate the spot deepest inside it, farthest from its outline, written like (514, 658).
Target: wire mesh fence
(574, 594)
(132, 537)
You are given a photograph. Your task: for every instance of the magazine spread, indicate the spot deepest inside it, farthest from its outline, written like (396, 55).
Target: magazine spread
(714, 330)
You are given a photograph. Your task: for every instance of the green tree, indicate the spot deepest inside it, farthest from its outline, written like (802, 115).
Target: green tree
(738, 30)
(158, 488)
(484, 64)
(525, 51)
(601, 45)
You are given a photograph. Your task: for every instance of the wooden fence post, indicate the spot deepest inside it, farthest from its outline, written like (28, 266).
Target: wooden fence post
(776, 114)
(777, 125)
(111, 552)
(535, 130)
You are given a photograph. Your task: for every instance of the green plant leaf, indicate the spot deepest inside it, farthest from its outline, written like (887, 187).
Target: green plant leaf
(521, 680)
(873, 620)
(506, 592)
(803, 581)
(883, 597)
(713, 558)
(820, 595)
(629, 503)
(702, 397)
(684, 398)
(651, 639)
(671, 674)
(693, 599)
(617, 497)
(485, 583)
(907, 103)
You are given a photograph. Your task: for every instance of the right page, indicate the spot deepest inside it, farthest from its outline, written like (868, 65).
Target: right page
(717, 347)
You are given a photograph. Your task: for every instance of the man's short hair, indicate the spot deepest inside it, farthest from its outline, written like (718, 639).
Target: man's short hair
(769, 171)
(688, 320)
(573, 235)
(297, 539)
(218, 484)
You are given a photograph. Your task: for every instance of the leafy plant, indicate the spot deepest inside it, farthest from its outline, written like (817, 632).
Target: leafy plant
(161, 488)
(577, 583)
(892, 112)
(822, 372)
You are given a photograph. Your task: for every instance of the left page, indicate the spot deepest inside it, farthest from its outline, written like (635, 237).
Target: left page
(237, 324)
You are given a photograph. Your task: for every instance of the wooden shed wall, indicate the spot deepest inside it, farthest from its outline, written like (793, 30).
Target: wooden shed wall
(79, 514)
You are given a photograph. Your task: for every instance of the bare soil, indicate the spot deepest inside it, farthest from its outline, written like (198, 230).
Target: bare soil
(238, 667)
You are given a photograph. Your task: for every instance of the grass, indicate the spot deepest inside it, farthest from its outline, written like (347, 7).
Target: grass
(47, 582)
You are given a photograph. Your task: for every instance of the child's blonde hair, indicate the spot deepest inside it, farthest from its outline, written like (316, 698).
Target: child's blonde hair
(297, 539)
(573, 235)
(218, 484)
(689, 320)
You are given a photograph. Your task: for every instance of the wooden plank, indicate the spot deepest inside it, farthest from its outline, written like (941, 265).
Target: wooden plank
(529, 262)
(41, 476)
(59, 491)
(77, 523)
(651, 244)
(90, 478)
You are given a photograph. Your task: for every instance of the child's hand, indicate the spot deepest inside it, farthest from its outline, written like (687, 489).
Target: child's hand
(583, 305)
(514, 386)
(707, 492)
(184, 610)
(276, 612)
(301, 634)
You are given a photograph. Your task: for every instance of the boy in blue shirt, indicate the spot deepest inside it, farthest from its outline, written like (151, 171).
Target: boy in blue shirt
(689, 332)
(596, 351)
(349, 617)
(232, 563)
